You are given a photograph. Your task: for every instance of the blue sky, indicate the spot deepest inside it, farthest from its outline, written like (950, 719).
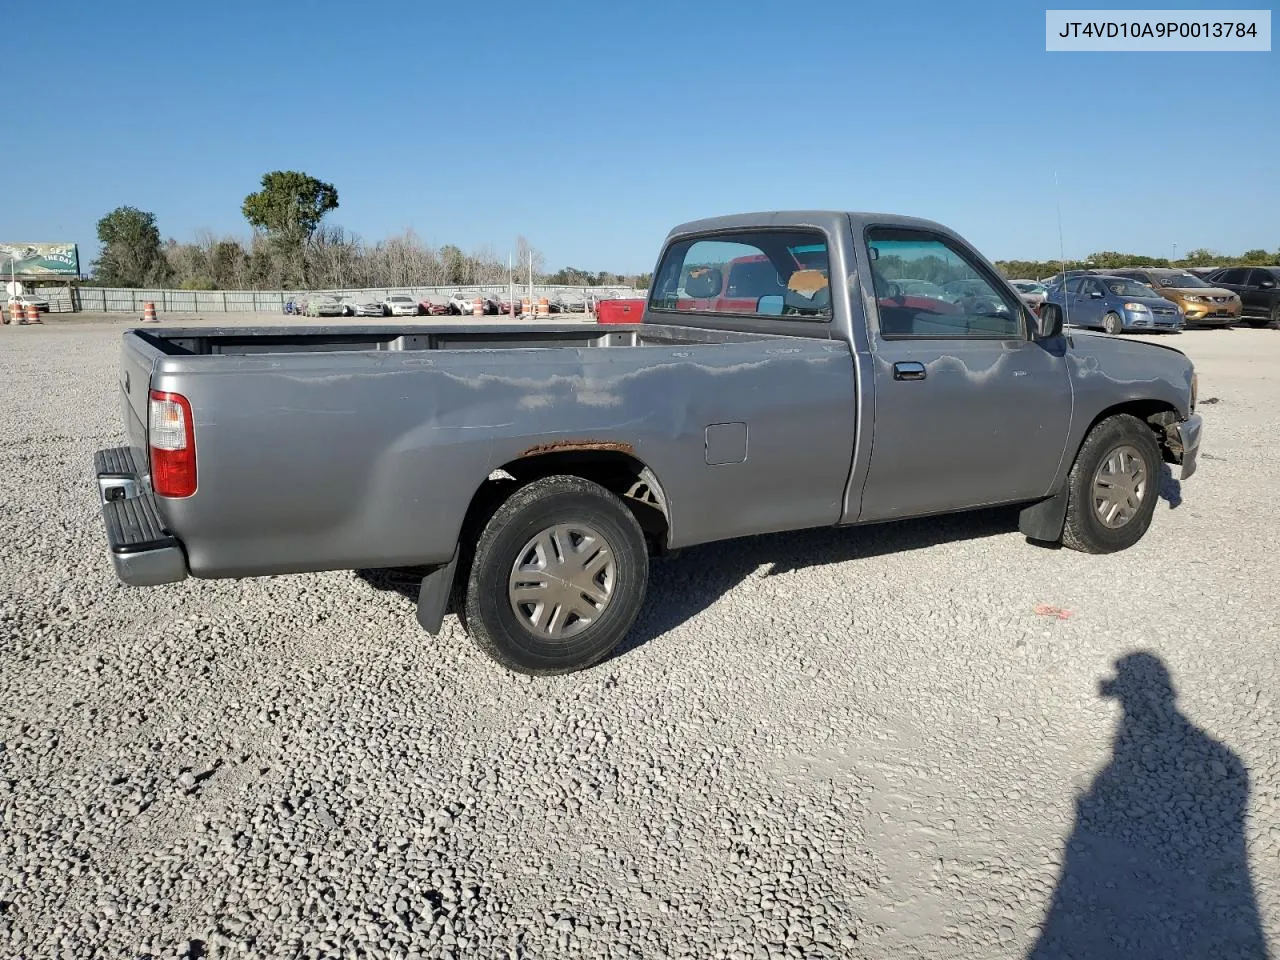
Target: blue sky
(606, 124)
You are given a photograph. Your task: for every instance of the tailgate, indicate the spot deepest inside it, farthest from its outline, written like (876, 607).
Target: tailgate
(137, 357)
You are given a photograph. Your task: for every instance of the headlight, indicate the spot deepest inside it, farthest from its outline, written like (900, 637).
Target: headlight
(1191, 299)
(1137, 307)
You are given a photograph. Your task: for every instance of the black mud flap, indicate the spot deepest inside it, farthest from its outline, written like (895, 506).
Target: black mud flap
(433, 597)
(1043, 521)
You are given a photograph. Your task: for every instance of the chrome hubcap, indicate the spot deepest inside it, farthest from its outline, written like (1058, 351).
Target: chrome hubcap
(562, 580)
(1120, 486)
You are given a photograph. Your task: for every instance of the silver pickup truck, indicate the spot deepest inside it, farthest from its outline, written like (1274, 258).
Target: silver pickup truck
(790, 370)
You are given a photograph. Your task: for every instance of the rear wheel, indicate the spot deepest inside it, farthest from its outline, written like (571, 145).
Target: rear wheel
(1258, 324)
(1113, 487)
(557, 578)
(1112, 323)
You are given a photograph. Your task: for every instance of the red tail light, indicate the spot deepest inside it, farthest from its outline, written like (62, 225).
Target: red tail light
(173, 445)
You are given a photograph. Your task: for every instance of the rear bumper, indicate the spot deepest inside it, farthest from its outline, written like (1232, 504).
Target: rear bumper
(143, 552)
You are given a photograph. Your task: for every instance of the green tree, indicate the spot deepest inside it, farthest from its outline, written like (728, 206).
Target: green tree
(456, 264)
(288, 210)
(131, 254)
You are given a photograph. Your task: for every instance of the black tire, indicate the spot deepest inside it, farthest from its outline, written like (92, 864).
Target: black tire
(489, 612)
(1258, 324)
(1275, 315)
(1113, 323)
(1084, 529)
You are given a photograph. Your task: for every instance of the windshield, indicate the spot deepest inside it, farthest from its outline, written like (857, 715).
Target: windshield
(1130, 288)
(1181, 280)
(399, 300)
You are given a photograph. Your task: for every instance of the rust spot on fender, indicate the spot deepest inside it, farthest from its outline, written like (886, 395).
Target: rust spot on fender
(575, 446)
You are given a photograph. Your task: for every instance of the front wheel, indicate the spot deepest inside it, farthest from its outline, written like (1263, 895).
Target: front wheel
(1112, 323)
(1113, 487)
(557, 578)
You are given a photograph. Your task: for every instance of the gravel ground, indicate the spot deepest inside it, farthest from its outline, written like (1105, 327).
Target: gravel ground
(856, 744)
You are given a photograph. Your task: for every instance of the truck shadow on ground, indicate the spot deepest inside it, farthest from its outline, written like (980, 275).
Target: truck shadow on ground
(684, 584)
(1157, 864)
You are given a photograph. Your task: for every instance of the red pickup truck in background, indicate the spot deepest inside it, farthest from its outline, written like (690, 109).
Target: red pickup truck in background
(621, 310)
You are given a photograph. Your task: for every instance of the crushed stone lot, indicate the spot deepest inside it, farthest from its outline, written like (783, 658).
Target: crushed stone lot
(929, 739)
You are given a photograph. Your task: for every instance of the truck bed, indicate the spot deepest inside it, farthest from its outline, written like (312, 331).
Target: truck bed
(245, 341)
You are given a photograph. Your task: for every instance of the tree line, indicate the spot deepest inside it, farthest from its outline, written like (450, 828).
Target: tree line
(292, 248)
(1111, 260)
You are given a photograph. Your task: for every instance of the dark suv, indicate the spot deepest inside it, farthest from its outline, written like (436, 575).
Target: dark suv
(1259, 290)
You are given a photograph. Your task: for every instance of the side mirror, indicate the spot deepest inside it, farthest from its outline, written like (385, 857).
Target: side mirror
(1048, 323)
(1267, 284)
(770, 305)
(1095, 295)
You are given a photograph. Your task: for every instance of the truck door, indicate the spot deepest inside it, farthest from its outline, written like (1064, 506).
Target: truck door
(969, 410)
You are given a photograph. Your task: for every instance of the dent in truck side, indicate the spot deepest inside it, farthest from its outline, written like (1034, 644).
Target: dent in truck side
(963, 417)
(302, 468)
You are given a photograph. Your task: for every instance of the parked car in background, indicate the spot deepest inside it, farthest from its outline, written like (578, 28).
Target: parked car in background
(1258, 289)
(1031, 291)
(462, 303)
(433, 306)
(921, 288)
(1201, 302)
(1203, 272)
(362, 305)
(401, 306)
(27, 300)
(324, 306)
(1113, 304)
(1059, 278)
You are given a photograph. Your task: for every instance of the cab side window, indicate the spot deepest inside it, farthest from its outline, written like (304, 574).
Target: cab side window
(761, 273)
(928, 287)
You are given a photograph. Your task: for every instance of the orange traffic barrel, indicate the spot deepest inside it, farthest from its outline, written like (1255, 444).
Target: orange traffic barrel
(544, 308)
(149, 313)
(477, 307)
(33, 313)
(525, 307)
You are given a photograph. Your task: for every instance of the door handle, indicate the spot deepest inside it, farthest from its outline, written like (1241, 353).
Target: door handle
(908, 370)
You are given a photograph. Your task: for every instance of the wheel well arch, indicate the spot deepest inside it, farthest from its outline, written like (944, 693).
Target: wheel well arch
(612, 465)
(1159, 415)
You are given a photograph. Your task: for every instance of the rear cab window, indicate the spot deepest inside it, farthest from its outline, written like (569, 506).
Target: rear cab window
(776, 274)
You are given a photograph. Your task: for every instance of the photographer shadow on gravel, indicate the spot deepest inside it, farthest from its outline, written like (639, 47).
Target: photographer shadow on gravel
(1157, 864)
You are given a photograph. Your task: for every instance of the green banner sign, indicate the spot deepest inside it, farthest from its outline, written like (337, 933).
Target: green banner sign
(39, 259)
